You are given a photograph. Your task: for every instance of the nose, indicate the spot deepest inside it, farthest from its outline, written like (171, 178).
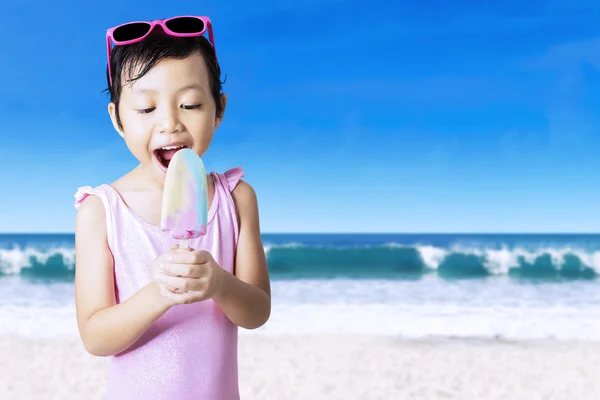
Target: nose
(169, 122)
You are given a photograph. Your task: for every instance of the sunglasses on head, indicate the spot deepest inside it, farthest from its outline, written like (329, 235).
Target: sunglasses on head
(133, 32)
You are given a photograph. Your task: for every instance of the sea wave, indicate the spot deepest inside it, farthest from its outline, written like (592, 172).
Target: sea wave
(389, 261)
(376, 319)
(398, 260)
(54, 262)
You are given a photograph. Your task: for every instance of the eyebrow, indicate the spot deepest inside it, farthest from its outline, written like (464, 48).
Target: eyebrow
(193, 86)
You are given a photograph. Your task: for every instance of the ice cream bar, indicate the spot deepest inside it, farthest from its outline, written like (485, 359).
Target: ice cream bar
(185, 198)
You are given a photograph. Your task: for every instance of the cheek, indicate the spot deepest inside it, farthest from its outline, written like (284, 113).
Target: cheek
(203, 133)
(137, 137)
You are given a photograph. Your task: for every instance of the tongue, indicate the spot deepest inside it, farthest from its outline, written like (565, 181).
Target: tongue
(168, 154)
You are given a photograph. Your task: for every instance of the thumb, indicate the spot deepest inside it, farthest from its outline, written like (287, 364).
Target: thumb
(176, 247)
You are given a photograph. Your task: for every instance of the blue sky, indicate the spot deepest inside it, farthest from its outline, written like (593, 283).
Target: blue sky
(346, 116)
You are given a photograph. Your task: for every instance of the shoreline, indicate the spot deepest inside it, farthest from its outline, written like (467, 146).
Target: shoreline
(334, 367)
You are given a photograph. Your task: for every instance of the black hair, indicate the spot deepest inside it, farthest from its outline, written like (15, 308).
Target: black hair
(140, 57)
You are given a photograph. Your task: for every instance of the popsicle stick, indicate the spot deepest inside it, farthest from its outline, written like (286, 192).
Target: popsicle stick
(183, 243)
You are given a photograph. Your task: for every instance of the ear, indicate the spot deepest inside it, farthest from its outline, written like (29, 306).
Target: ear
(112, 111)
(219, 118)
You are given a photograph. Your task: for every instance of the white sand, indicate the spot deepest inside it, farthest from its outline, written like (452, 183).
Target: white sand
(328, 367)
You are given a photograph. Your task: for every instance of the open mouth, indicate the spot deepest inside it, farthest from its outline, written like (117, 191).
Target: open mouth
(165, 154)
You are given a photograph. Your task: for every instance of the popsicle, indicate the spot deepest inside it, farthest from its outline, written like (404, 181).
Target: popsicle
(185, 198)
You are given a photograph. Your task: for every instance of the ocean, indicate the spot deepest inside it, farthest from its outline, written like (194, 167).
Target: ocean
(408, 285)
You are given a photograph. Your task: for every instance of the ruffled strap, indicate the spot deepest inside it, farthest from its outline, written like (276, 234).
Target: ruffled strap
(83, 192)
(233, 176)
(224, 185)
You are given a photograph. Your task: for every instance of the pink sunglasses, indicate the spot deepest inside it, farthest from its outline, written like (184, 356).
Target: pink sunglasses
(133, 32)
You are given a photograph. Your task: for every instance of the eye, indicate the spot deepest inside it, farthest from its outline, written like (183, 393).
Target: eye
(146, 110)
(190, 106)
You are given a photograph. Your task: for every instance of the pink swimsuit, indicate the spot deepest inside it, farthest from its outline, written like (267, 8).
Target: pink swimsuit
(191, 351)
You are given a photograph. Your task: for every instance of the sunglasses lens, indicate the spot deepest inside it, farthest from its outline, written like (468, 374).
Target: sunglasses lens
(185, 25)
(131, 31)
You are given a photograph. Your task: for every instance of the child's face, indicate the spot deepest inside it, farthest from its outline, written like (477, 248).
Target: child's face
(171, 105)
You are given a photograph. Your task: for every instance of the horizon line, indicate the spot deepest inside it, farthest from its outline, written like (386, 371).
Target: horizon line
(364, 233)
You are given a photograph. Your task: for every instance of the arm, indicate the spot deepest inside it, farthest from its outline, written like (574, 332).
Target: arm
(106, 328)
(245, 296)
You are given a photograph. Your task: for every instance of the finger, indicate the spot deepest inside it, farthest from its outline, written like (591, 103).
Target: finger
(175, 250)
(185, 257)
(177, 247)
(186, 270)
(181, 256)
(179, 282)
(166, 288)
(185, 298)
(174, 290)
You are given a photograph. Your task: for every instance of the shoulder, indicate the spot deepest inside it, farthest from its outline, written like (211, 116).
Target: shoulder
(244, 194)
(88, 200)
(246, 201)
(90, 213)
(91, 207)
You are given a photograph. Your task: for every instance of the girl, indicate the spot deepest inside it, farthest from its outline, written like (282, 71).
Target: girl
(168, 317)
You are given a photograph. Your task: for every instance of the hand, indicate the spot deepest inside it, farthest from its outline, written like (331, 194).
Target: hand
(189, 276)
(156, 269)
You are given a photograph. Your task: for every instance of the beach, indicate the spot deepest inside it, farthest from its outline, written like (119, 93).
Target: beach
(506, 317)
(336, 367)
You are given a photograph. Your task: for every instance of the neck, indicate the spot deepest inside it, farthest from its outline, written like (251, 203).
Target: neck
(148, 178)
